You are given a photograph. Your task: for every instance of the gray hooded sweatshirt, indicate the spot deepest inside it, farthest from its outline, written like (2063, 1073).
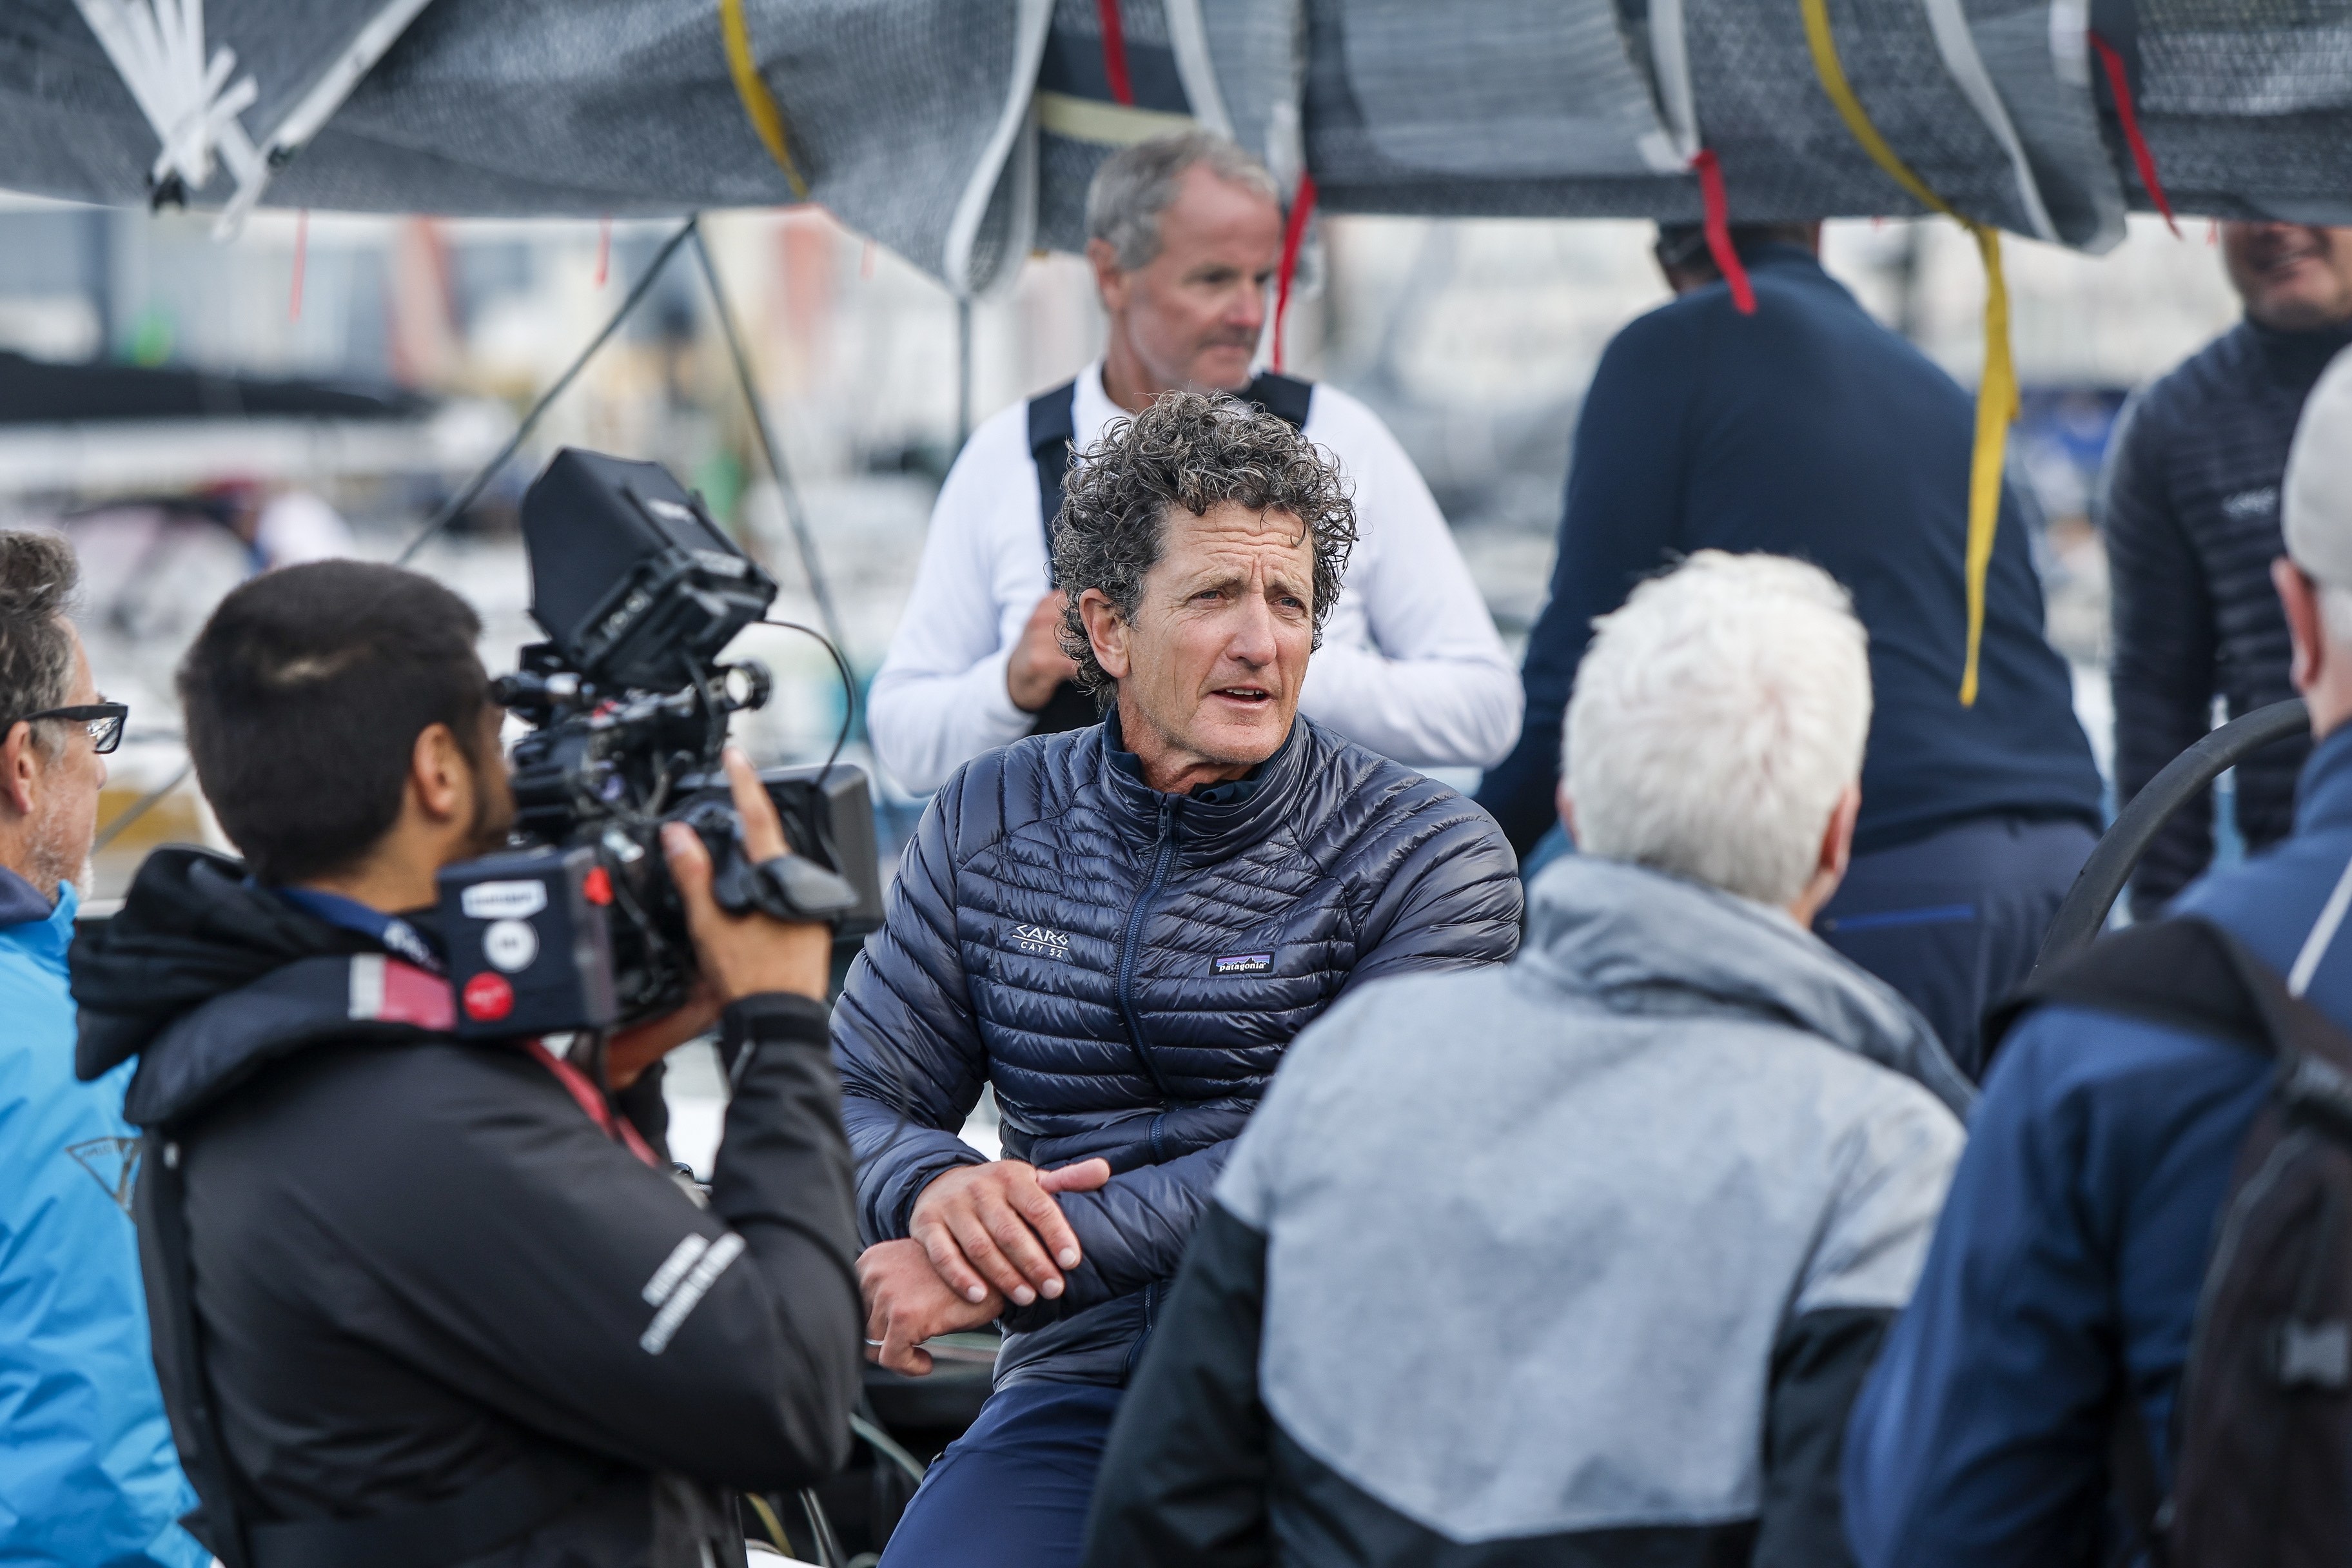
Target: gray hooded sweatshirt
(1579, 1259)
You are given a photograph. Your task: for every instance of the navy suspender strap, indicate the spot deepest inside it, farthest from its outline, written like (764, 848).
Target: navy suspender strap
(1054, 432)
(1285, 396)
(1052, 429)
(1053, 437)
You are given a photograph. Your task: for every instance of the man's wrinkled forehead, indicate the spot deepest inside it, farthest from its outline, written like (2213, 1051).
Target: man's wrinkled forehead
(1230, 536)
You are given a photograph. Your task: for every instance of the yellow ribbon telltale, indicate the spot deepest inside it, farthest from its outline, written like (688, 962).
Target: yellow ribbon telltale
(1997, 391)
(758, 103)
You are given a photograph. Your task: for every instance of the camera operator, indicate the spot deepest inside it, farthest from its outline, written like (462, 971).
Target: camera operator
(451, 1305)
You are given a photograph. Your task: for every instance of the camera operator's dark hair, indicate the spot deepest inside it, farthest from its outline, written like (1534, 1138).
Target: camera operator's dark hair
(1188, 449)
(305, 694)
(37, 573)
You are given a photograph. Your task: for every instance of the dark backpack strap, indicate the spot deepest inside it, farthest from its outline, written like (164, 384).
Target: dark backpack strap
(2183, 973)
(219, 1519)
(1286, 398)
(2131, 1477)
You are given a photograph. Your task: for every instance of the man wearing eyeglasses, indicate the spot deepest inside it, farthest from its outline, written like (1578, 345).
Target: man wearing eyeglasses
(88, 1472)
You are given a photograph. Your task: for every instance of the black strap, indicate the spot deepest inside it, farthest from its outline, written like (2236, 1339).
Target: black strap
(484, 1516)
(1052, 438)
(218, 1522)
(2131, 1477)
(2186, 974)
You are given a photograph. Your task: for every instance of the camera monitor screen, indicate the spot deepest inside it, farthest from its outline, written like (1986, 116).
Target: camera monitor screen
(629, 577)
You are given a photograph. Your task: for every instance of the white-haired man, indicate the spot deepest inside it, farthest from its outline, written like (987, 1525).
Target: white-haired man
(1584, 1257)
(1186, 229)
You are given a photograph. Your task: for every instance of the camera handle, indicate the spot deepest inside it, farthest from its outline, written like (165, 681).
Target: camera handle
(788, 887)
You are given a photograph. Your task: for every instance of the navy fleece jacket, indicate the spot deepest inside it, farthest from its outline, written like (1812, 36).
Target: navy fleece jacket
(1808, 429)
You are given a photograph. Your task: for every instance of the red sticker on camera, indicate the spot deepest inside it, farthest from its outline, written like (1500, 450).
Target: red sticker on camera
(596, 887)
(488, 998)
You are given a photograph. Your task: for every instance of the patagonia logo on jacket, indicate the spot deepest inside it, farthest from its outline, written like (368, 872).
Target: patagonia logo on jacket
(1041, 941)
(1241, 963)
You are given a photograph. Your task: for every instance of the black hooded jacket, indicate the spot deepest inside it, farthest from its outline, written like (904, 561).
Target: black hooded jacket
(419, 1263)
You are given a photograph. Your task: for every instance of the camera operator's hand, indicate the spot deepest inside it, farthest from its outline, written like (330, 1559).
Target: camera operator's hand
(996, 1229)
(1037, 664)
(907, 1302)
(632, 1050)
(745, 955)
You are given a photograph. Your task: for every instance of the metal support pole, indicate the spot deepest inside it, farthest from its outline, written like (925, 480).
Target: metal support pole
(787, 496)
(963, 370)
(465, 496)
(691, 228)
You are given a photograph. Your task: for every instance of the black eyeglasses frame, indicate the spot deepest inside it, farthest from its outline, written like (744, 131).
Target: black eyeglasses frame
(105, 722)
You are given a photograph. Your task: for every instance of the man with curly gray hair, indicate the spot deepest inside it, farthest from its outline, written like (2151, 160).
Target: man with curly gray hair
(1120, 927)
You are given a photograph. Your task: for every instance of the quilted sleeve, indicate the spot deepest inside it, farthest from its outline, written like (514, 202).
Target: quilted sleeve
(912, 1065)
(1441, 891)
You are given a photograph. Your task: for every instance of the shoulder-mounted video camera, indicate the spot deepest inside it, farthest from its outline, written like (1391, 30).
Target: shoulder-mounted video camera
(638, 591)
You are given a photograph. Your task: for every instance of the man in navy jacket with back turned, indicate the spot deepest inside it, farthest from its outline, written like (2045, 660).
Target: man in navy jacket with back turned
(1120, 927)
(1808, 429)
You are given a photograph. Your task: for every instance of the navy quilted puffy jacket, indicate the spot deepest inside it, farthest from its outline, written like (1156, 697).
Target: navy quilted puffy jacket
(1127, 967)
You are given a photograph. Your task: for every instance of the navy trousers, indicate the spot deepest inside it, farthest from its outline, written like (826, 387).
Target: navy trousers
(1953, 920)
(1012, 1492)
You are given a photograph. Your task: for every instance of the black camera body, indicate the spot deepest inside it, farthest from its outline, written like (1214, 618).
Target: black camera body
(582, 928)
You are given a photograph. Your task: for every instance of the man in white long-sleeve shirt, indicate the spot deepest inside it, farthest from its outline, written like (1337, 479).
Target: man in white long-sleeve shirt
(1186, 230)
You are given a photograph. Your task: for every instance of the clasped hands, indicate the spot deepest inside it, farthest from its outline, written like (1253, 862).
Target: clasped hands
(981, 1237)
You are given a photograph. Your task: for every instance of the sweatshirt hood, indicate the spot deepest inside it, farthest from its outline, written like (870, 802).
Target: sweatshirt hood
(1639, 941)
(193, 928)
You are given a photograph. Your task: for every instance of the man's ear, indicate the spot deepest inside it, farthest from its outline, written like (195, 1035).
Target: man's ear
(1837, 839)
(1105, 629)
(439, 775)
(2299, 597)
(1111, 280)
(20, 768)
(1567, 805)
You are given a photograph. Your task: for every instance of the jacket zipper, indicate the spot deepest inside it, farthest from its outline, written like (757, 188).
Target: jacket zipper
(1135, 1351)
(1162, 854)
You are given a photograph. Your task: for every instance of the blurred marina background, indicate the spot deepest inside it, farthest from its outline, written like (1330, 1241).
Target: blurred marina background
(332, 381)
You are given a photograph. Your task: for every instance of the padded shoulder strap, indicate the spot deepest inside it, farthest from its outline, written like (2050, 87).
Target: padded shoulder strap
(1053, 426)
(2186, 974)
(1286, 398)
(2189, 974)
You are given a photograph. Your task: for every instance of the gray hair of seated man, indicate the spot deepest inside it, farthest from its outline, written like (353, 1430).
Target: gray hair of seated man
(1135, 185)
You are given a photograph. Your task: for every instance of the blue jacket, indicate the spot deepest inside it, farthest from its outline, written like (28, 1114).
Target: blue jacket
(1127, 968)
(2080, 1220)
(87, 1474)
(1808, 429)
